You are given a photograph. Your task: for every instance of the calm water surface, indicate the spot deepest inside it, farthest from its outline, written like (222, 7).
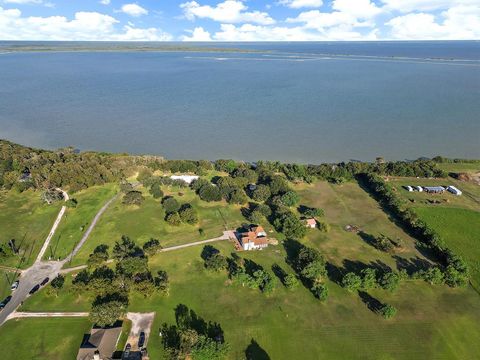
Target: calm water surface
(306, 102)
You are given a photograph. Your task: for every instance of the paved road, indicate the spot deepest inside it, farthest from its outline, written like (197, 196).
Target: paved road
(90, 229)
(29, 278)
(41, 270)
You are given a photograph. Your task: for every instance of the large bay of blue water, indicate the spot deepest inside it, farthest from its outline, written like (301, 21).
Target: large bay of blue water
(294, 102)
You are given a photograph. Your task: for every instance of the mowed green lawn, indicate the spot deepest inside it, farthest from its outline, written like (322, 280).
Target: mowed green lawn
(6, 280)
(144, 222)
(433, 322)
(460, 167)
(42, 338)
(27, 219)
(348, 204)
(460, 228)
(76, 220)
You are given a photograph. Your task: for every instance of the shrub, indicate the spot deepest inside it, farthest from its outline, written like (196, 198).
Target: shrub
(173, 219)
(352, 282)
(320, 291)
(170, 205)
(133, 198)
(156, 191)
(210, 193)
(188, 214)
(71, 203)
(291, 282)
(152, 247)
(388, 311)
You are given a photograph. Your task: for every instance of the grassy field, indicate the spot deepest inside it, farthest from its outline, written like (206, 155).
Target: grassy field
(27, 219)
(460, 167)
(76, 220)
(433, 322)
(42, 339)
(461, 230)
(144, 222)
(348, 204)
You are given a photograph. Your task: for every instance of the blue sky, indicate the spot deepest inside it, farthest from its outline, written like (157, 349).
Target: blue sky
(239, 20)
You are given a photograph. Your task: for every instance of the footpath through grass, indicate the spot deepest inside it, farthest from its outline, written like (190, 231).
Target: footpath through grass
(27, 219)
(42, 338)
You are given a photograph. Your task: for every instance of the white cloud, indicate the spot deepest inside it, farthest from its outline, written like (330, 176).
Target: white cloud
(105, 2)
(297, 4)
(198, 34)
(134, 10)
(229, 11)
(457, 23)
(361, 9)
(424, 5)
(84, 26)
(250, 32)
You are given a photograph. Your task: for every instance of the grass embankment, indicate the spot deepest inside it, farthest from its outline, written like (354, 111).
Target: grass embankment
(141, 223)
(27, 219)
(43, 338)
(432, 321)
(76, 220)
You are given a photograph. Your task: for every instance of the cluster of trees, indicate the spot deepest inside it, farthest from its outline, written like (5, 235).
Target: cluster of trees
(225, 187)
(455, 268)
(199, 167)
(244, 272)
(111, 287)
(51, 169)
(193, 338)
(383, 242)
(249, 274)
(310, 266)
(370, 278)
(176, 213)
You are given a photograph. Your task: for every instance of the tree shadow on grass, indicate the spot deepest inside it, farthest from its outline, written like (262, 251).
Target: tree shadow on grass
(373, 304)
(279, 273)
(208, 251)
(255, 352)
(411, 265)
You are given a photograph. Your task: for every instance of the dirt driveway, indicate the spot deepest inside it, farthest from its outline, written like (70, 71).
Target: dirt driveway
(141, 322)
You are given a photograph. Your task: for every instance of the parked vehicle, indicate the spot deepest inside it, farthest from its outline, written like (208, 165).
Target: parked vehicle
(5, 302)
(34, 289)
(126, 353)
(141, 340)
(15, 285)
(45, 281)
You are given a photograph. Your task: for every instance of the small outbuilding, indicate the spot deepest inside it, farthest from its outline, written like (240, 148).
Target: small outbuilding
(311, 223)
(434, 189)
(454, 190)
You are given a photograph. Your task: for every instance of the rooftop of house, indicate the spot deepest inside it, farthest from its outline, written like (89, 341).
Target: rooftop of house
(311, 221)
(103, 340)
